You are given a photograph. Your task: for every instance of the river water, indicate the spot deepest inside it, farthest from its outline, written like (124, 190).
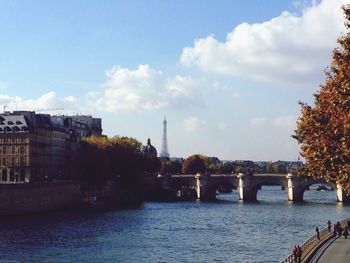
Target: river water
(226, 230)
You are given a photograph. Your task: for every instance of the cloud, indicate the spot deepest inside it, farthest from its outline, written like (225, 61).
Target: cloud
(290, 48)
(45, 102)
(222, 126)
(193, 124)
(285, 121)
(144, 89)
(257, 121)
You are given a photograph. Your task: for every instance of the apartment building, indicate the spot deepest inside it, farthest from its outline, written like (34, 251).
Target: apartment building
(39, 147)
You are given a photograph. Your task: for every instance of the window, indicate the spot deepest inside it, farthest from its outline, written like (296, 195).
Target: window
(22, 175)
(12, 175)
(13, 161)
(4, 175)
(22, 161)
(4, 149)
(13, 150)
(21, 149)
(4, 161)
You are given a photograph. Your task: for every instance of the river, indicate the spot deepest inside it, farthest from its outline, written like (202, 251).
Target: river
(226, 230)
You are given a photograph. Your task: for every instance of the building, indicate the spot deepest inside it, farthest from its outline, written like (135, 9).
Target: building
(149, 150)
(39, 147)
(164, 152)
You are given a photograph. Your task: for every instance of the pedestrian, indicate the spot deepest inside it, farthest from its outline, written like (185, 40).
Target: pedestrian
(339, 229)
(295, 250)
(299, 254)
(318, 233)
(346, 232)
(329, 226)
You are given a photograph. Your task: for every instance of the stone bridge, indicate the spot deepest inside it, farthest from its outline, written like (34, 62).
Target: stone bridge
(205, 186)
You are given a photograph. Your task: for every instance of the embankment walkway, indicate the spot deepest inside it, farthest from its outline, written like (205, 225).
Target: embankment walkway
(326, 249)
(338, 251)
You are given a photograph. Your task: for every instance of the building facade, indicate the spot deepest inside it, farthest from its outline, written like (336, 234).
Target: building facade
(38, 147)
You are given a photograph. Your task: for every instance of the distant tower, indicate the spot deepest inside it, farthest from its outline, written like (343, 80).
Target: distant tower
(164, 153)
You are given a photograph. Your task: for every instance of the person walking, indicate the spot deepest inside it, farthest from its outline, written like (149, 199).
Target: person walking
(295, 250)
(299, 254)
(318, 233)
(329, 226)
(339, 229)
(346, 232)
(335, 231)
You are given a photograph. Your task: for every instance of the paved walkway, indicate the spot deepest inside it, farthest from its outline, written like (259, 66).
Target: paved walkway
(338, 251)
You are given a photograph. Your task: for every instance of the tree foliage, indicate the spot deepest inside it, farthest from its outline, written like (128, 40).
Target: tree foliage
(120, 158)
(195, 164)
(323, 130)
(171, 167)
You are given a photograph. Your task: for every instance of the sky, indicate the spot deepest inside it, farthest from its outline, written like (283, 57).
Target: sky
(228, 75)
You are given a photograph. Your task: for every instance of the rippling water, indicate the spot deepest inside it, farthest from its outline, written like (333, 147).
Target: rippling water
(227, 230)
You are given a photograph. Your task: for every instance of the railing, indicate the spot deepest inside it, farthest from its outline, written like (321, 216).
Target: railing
(310, 243)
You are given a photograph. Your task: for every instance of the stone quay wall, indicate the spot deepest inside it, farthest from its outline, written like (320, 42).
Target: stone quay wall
(16, 199)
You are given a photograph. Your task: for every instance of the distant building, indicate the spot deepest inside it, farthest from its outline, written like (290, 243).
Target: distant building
(177, 159)
(39, 147)
(214, 160)
(149, 150)
(164, 152)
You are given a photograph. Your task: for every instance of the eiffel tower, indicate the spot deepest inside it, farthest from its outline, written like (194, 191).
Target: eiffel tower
(164, 153)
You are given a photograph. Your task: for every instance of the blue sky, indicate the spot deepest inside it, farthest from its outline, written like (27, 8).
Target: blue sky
(228, 75)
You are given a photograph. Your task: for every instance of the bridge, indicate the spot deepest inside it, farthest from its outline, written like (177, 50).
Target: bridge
(205, 186)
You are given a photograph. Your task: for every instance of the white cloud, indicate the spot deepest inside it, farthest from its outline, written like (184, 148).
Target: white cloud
(222, 126)
(236, 95)
(193, 124)
(257, 121)
(285, 121)
(144, 89)
(45, 102)
(289, 48)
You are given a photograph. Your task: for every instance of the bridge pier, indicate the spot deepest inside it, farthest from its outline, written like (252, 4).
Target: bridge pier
(341, 195)
(202, 187)
(245, 187)
(295, 190)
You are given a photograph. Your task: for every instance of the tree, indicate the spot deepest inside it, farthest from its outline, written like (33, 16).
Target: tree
(323, 131)
(225, 168)
(118, 158)
(194, 164)
(171, 167)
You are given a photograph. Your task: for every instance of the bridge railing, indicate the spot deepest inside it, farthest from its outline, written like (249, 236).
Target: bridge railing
(311, 243)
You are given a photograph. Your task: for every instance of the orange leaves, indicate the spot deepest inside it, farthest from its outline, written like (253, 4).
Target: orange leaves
(323, 131)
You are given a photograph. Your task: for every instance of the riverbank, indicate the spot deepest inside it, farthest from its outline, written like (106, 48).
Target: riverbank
(17, 199)
(20, 199)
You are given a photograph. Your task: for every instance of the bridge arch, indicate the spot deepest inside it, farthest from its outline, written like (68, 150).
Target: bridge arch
(213, 188)
(307, 185)
(258, 184)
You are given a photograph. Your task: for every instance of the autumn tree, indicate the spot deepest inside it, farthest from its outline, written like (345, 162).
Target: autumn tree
(118, 158)
(171, 167)
(323, 130)
(195, 164)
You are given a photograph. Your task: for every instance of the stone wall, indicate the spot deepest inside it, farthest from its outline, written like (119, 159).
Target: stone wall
(18, 199)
